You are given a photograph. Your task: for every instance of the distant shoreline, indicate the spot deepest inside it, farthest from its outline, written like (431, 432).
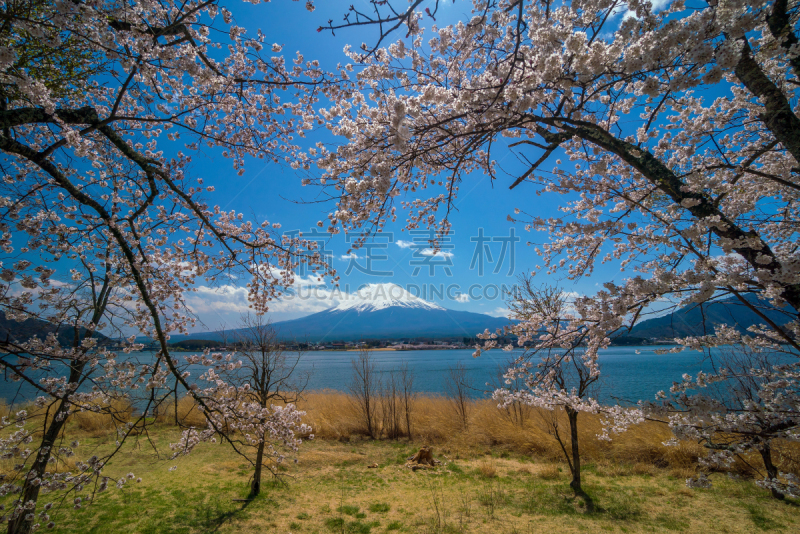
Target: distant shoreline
(375, 350)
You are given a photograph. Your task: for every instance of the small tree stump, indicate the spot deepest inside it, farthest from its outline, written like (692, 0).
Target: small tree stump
(423, 459)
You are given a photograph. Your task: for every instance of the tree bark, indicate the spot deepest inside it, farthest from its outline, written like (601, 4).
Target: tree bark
(772, 471)
(572, 415)
(780, 27)
(778, 115)
(30, 492)
(752, 247)
(255, 488)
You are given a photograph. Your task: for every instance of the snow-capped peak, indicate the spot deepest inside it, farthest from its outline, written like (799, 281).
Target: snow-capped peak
(375, 297)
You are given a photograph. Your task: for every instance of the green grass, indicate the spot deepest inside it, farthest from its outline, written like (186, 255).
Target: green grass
(379, 508)
(760, 518)
(335, 524)
(348, 510)
(319, 497)
(338, 524)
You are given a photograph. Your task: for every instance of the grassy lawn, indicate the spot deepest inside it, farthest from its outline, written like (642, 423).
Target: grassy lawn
(331, 490)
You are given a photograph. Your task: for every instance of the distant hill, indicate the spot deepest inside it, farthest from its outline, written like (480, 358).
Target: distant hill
(384, 311)
(195, 344)
(698, 320)
(394, 322)
(21, 331)
(389, 312)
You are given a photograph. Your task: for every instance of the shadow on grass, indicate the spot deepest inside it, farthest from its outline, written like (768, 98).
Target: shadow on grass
(205, 516)
(600, 504)
(212, 519)
(588, 502)
(761, 520)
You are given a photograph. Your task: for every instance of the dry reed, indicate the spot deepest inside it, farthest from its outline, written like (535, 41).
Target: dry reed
(640, 450)
(547, 472)
(189, 413)
(104, 419)
(487, 468)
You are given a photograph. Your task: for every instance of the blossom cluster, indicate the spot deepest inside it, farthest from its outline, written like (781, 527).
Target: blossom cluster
(103, 227)
(670, 135)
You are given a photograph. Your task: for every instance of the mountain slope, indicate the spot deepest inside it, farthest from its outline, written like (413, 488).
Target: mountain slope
(694, 320)
(390, 322)
(21, 331)
(380, 311)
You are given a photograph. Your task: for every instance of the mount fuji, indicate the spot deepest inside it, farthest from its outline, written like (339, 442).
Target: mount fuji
(386, 311)
(378, 311)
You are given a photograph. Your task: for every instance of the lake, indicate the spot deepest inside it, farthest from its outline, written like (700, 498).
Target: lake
(625, 374)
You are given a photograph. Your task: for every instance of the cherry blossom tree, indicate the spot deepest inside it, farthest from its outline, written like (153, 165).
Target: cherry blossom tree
(672, 136)
(556, 372)
(697, 191)
(747, 404)
(254, 399)
(102, 106)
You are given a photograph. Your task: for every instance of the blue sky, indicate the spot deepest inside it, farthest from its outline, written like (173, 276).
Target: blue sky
(271, 192)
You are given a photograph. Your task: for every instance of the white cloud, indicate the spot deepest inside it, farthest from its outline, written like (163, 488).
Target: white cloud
(425, 251)
(729, 260)
(348, 257)
(498, 312)
(227, 298)
(306, 295)
(570, 297)
(437, 253)
(462, 297)
(658, 5)
(223, 305)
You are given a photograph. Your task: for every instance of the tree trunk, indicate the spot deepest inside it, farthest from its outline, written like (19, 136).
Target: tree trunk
(368, 410)
(572, 415)
(30, 492)
(255, 489)
(772, 471)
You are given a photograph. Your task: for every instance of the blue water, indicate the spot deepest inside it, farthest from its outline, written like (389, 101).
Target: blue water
(625, 375)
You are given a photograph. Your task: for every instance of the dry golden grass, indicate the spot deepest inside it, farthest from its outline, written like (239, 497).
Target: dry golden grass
(37, 418)
(332, 415)
(333, 491)
(95, 421)
(639, 450)
(547, 472)
(189, 413)
(499, 476)
(487, 468)
(104, 419)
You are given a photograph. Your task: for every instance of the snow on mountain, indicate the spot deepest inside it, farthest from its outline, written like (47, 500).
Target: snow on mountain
(374, 297)
(386, 311)
(383, 311)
